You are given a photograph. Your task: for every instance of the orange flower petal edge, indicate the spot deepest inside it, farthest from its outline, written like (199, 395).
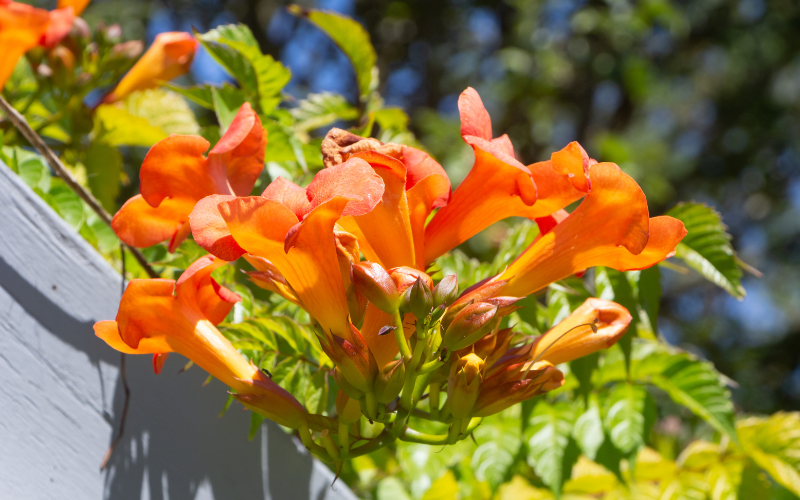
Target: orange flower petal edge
(58, 27)
(170, 56)
(610, 228)
(21, 29)
(77, 5)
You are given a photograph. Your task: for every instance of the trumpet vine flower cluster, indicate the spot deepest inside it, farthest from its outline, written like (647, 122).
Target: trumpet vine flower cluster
(352, 249)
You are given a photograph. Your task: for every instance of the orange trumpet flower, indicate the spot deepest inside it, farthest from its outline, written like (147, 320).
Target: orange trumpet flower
(293, 228)
(515, 383)
(21, 29)
(498, 186)
(611, 227)
(175, 176)
(597, 324)
(158, 316)
(170, 56)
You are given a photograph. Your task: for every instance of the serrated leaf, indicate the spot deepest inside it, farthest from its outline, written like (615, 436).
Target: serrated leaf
(590, 478)
(707, 248)
(103, 169)
(549, 440)
(689, 381)
(235, 48)
(722, 482)
(319, 110)
(144, 118)
(774, 444)
(500, 444)
(588, 429)
(629, 414)
(68, 205)
(351, 37)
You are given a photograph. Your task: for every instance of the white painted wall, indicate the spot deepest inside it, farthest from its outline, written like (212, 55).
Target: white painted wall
(60, 394)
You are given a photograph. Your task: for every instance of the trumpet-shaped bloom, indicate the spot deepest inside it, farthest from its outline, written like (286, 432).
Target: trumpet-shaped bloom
(21, 29)
(175, 176)
(158, 316)
(78, 6)
(293, 228)
(170, 56)
(498, 186)
(611, 227)
(597, 324)
(515, 383)
(58, 26)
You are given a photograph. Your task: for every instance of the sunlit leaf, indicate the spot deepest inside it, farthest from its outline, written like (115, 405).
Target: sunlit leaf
(103, 164)
(707, 248)
(444, 488)
(351, 37)
(588, 430)
(552, 453)
(774, 444)
(629, 414)
(318, 110)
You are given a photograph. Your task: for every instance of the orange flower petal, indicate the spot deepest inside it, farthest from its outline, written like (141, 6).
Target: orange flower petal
(170, 56)
(475, 120)
(140, 225)
(240, 151)
(492, 191)
(289, 194)
(196, 286)
(21, 28)
(573, 338)
(58, 27)
(427, 187)
(610, 228)
(354, 180)
(383, 347)
(210, 230)
(176, 168)
(148, 309)
(573, 162)
(306, 257)
(387, 226)
(109, 332)
(77, 5)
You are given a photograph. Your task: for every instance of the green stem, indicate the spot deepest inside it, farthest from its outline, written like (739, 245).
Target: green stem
(371, 404)
(344, 439)
(413, 436)
(321, 422)
(433, 399)
(430, 366)
(383, 439)
(400, 336)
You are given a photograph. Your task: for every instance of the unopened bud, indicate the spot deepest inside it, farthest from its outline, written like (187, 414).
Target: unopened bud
(127, 50)
(346, 386)
(420, 299)
(347, 408)
(404, 277)
(446, 291)
(113, 33)
(80, 29)
(472, 323)
(389, 381)
(464, 384)
(476, 293)
(373, 282)
(353, 359)
(505, 304)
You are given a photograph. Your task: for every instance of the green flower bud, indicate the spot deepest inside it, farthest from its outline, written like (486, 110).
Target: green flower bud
(389, 381)
(446, 291)
(373, 282)
(420, 299)
(472, 323)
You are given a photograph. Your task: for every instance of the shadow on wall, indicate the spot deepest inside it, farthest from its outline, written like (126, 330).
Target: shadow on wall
(61, 396)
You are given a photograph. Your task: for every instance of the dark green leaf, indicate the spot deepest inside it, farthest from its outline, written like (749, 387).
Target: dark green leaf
(707, 248)
(650, 295)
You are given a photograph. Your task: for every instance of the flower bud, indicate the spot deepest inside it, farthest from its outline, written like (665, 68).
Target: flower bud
(80, 29)
(268, 277)
(353, 359)
(62, 62)
(346, 386)
(476, 293)
(446, 291)
(464, 384)
(127, 50)
(347, 408)
(505, 304)
(404, 277)
(389, 381)
(472, 323)
(373, 282)
(264, 396)
(420, 299)
(515, 384)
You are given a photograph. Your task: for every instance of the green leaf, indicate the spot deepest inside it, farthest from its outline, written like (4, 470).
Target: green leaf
(689, 381)
(614, 285)
(588, 430)
(393, 119)
(32, 169)
(391, 488)
(774, 444)
(227, 101)
(444, 488)
(316, 398)
(144, 118)
(518, 238)
(707, 248)
(103, 169)
(200, 94)
(629, 414)
(551, 451)
(650, 296)
(68, 205)
(235, 48)
(500, 443)
(351, 37)
(319, 110)
(255, 423)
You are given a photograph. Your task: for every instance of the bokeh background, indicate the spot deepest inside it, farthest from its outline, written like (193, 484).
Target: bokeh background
(697, 100)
